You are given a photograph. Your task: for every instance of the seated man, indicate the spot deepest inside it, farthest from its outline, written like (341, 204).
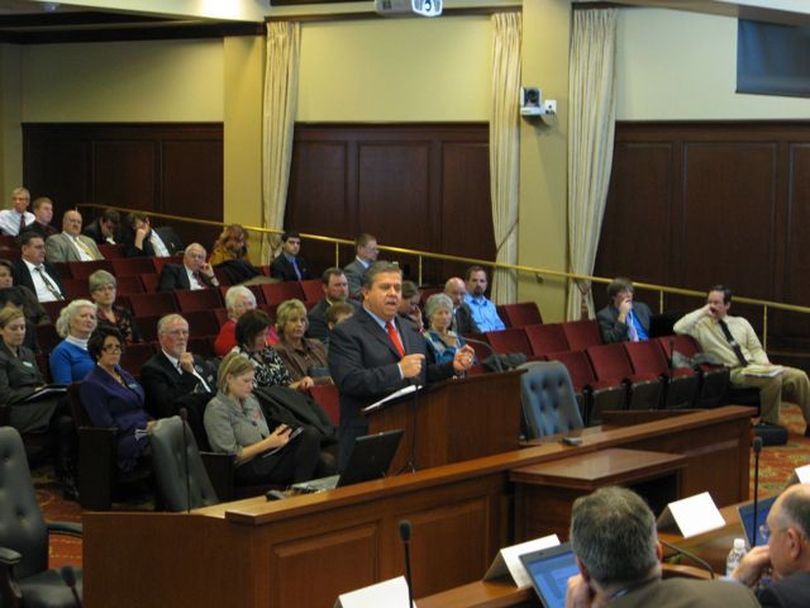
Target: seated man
(33, 272)
(150, 242)
(174, 372)
(462, 322)
(733, 342)
(623, 320)
(289, 266)
(483, 309)
(104, 229)
(335, 289)
(194, 273)
(617, 551)
(43, 214)
(366, 254)
(786, 557)
(71, 245)
(13, 221)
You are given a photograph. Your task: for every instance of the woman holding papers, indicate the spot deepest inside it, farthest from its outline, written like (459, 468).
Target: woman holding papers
(235, 424)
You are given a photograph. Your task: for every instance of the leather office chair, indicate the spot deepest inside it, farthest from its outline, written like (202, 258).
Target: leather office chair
(25, 579)
(549, 402)
(180, 475)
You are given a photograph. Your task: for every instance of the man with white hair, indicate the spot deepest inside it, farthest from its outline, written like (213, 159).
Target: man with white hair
(194, 273)
(13, 221)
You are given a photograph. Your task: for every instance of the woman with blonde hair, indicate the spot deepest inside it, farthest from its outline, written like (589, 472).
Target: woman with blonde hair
(231, 245)
(70, 361)
(304, 357)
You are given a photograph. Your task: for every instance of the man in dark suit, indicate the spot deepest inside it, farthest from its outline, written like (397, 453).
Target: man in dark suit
(174, 372)
(619, 559)
(455, 288)
(787, 554)
(104, 229)
(623, 320)
(289, 266)
(366, 254)
(375, 352)
(43, 214)
(335, 289)
(33, 272)
(150, 242)
(193, 273)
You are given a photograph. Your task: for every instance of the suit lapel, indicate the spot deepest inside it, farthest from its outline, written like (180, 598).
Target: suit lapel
(378, 332)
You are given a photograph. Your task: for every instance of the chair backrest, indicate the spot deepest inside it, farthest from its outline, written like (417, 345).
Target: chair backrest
(582, 334)
(202, 323)
(198, 299)
(173, 446)
(610, 362)
(133, 267)
(82, 270)
(549, 402)
(135, 355)
(150, 282)
(548, 338)
(313, 290)
(646, 357)
(686, 345)
(22, 526)
(75, 288)
(129, 285)
(328, 398)
(521, 314)
(511, 340)
(578, 366)
(276, 293)
(153, 304)
(110, 251)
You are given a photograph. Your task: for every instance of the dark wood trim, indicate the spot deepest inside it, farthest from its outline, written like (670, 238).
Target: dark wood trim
(166, 30)
(40, 20)
(450, 12)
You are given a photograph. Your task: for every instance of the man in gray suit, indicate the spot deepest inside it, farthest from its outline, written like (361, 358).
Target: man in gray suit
(367, 252)
(614, 540)
(462, 322)
(71, 245)
(623, 320)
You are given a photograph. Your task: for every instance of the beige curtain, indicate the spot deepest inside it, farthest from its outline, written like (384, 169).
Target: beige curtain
(278, 122)
(504, 149)
(590, 150)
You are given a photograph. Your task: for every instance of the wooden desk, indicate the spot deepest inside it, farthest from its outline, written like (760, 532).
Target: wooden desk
(305, 551)
(545, 492)
(482, 594)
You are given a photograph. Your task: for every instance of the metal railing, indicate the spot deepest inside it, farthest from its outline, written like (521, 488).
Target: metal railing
(540, 273)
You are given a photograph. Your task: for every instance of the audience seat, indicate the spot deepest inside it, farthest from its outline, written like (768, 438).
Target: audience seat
(327, 396)
(135, 355)
(133, 267)
(151, 304)
(148, 327)
(82, 270)
(680, 385)
(150, 282)
(313, 289)
(47, 338)
(582, 334)
(53, 308)
(201, 323)
(611, 364)
(276, 293)
(223, 278)
(548, 338)
(112, 252)
(521, 314)
(126, 286)
(202, 346)
(161, 262)
(426, 292)
(222, 316)
(714, 379)
(512, 340)
(75, 288)
(198, 299)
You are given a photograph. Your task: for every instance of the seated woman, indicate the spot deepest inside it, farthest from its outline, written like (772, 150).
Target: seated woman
(238, 300)
(235, 424)
(20, 376)
(304, 357)
(113, 398)
(409, 305)
(70, 361)
(251, 340)
(231, 245)
(22, 297)
(102, 287)
(443, 343)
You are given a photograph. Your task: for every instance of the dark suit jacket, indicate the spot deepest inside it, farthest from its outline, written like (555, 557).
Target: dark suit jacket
(167, 235)
(19, 375)
(165, 385)
(45, 230)
(790, 592)
(363, 363)
(93, 230)
(464, 322)
(23, 277)
(174, 276)
(354, 271)
(686, 593)
(282, 268)
(317, 319)
(615, 331)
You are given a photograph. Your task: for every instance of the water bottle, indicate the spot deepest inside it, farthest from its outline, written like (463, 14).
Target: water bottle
(735, 555)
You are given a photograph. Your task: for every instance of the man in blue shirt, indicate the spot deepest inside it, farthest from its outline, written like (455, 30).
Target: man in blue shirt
(623, 320)
(483, 309)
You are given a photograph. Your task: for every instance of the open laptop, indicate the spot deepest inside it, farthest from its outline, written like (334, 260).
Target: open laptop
(549, 570)
(369, 459)
(746, 514)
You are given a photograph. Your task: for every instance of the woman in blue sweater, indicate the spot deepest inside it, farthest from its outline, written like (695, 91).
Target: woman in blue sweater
(70, 361)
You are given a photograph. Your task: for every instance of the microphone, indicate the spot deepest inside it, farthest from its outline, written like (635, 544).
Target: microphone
(405, 535)
(496, 356)
(698, 560)
(755, 527)
(68, 575)
(183, 418)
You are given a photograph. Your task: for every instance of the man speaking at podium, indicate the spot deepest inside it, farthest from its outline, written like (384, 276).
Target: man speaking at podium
(375, 353)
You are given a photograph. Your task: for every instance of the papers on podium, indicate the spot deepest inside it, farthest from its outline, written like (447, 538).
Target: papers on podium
(507, 562)
(411, 388)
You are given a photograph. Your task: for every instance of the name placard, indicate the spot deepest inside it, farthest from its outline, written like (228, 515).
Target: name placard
(392, 593)
(507, 562)
(691, 516)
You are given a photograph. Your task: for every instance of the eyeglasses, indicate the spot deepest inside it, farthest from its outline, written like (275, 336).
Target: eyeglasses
(113, 348)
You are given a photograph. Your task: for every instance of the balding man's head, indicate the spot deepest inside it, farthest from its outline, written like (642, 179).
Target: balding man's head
(455, 288)
(789, 531)
(72, 222)
(194, 257)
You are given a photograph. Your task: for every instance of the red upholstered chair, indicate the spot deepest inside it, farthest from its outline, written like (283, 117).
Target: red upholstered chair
(47, 338)
(426, 292)
(276, 293)
(548, 338)
(150, 282)
(204, 347)
(63, 269)
(153, 304)
(313, 289)
(135, 355)
(582, 334)
(680, 385)
(133, 267)
(53, 308)
(222, 277)
(713, 378)
(111, 252)
(326, 395)
(222, 316)
(198, 299)
(82, 270)
(148, 327)
(481, 351)
(75, 288)
(129, 285)
(594, 396)
(511, 340)
(521, 314)
(611, 364)
(201, 323)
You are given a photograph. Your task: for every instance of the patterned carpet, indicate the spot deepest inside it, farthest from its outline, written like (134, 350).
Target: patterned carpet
(776, 464)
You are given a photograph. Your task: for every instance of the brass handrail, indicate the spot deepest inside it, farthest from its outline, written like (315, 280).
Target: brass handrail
(537, 271)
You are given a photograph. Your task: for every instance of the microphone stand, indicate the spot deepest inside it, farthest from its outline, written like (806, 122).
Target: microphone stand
(703, 563)
(755, 527)
(496, 356)
(405, 535)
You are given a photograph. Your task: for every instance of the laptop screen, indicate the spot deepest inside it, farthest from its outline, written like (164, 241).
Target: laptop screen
(746, 513)
(550, 570)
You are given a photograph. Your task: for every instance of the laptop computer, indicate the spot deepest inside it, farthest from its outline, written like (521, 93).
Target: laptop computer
(549, 571)
(746, 515)
(369, 459)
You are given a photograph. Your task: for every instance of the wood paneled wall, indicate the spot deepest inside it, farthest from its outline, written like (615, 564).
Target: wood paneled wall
(415, 186)
(695, 204)
(169, 168)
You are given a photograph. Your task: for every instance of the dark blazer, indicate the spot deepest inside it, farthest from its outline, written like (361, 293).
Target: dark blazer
(23, 277)
(614, 330)
(463, 320)
(686, 593)
(363, 363)
(174, 276)
(19, 376)
(45, 230)
(317, 319)
(167, 235)
(93, 230)
(164, 384)
(789, 592)
(282, 268)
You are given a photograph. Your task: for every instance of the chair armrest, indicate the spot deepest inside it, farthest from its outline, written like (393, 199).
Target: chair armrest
(64, 527)
(9, 557)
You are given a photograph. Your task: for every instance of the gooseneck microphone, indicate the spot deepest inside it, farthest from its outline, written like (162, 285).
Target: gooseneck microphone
(698, 560)
(405, 535)
(755, 527)
(68, 575)
(496, 356)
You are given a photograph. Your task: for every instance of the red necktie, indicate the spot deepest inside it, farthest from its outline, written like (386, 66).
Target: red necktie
(392, 333)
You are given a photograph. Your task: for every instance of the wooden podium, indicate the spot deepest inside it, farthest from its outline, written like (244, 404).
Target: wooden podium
(454, 420)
